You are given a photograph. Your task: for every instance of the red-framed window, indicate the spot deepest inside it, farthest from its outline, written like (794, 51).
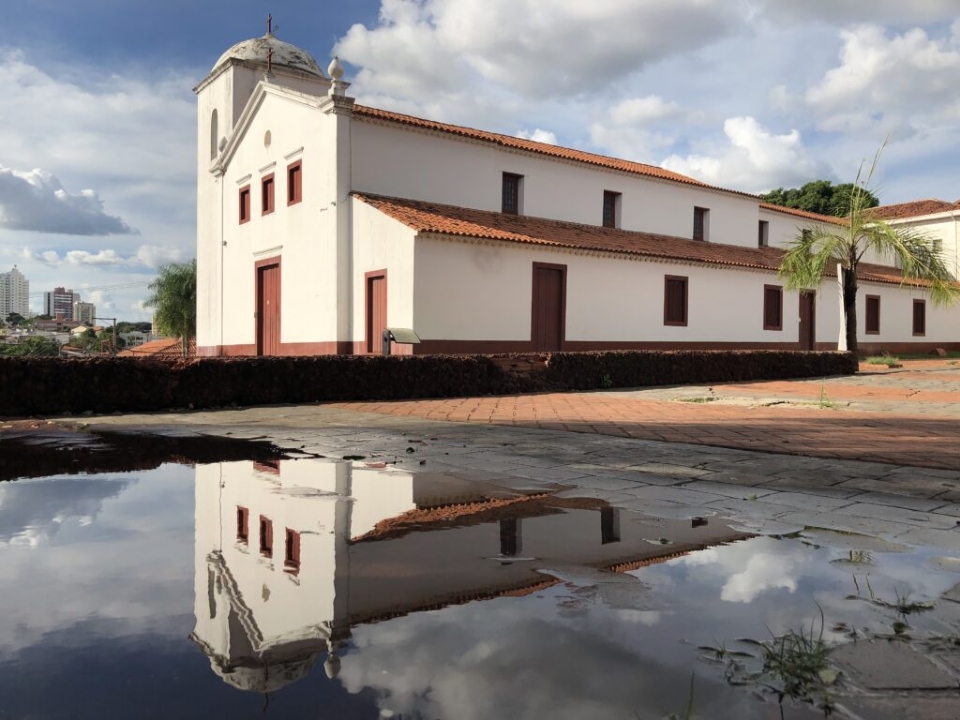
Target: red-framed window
(294, 182)
(919, 317)
(291, 550)
(700, 216)
(243, 524)
(763, 234)
(872, 322)
(266, 536)
(611, 208)
(266, 194)
(772, 307)
(674, 300)
(244, 204)
(511, 194)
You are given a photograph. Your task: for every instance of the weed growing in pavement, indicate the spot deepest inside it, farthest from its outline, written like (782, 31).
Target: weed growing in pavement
(793, 666)
(606, 382)
(888, 360)
(825, 402)
(699, 399)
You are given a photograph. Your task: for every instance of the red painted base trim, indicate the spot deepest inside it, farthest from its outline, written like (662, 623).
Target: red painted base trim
(905, 348)
(489, 347)
(496, 347)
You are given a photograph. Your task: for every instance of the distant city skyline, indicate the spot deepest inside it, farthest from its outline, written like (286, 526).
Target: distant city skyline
(749, 95)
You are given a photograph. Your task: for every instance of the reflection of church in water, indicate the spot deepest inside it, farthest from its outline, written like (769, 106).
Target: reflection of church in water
(290, 557)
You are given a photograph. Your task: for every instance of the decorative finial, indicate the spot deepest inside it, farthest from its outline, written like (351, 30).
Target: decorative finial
(269, 24)
(335, 71)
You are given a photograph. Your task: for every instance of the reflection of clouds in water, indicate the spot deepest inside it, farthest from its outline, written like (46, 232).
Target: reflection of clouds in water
(32, 511)
(112, 548)
(755, 566)
(518, 661)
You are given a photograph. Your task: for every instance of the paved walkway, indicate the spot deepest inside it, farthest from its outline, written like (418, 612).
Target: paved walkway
(908, 416)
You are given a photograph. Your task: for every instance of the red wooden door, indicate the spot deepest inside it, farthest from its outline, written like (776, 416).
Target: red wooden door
(268, 310)
(548, 307)
(376, 312)
(807, 324)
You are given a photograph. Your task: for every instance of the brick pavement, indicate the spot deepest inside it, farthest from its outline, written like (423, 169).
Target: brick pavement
(900, 416)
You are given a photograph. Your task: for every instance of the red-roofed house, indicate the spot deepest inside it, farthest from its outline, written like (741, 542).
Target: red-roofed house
(937, 219)
(321, 222)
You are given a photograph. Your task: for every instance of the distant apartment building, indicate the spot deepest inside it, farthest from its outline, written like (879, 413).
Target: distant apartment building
(14, 293)
(84, 312)
(59, 303)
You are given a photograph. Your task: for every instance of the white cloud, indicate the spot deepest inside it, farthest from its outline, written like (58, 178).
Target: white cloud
(538, 135)
(890, 82)
(753, 159)
(103, 257)
(856, 11)
(100, 298)
(146, 256)
(37, 201)
(540, 48)
(638, 128)
(129, 135)
(644, 111)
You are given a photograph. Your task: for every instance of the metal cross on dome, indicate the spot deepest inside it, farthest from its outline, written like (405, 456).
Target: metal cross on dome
(269, 23)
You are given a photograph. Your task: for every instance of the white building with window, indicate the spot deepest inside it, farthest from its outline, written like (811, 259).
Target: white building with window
(14, 294)
(321, 222)
(84, 312)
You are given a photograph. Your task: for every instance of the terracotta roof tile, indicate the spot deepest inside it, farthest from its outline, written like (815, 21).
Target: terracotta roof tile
(917, 208)
(509, 141)
(455, 221)
(164, 348)
(804, 214)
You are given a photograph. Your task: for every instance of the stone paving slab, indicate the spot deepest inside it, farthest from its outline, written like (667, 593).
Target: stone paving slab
(891, 665)
(900, 418)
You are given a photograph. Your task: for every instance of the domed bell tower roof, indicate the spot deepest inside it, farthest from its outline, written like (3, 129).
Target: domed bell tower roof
(269, 49)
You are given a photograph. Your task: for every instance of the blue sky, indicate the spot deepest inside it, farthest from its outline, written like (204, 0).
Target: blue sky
(98, 121)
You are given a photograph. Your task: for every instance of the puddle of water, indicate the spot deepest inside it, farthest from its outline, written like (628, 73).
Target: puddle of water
(305, 587)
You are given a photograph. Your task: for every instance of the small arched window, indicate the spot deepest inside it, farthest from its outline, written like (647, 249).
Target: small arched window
(213, 135)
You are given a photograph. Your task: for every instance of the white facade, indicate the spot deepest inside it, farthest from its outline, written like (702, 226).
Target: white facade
(84, 312)
(14, 294)
(327, 264)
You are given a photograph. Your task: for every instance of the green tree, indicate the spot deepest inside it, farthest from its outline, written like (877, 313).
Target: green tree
(821, 248)
(14, 319)
(174, 298)
(32, 347)
(820, 196)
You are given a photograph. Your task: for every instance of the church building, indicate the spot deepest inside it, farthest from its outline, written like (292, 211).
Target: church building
(323, 222)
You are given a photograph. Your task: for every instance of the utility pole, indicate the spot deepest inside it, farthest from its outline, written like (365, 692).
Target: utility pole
(114, 350)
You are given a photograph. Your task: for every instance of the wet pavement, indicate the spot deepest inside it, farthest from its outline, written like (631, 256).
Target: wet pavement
(871, 480)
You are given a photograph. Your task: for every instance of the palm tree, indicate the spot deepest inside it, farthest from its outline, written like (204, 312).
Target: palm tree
(820, 248)
(174, 296)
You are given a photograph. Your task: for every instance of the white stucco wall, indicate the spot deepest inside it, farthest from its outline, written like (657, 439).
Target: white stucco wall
(303, 235)
(400, 162)
(472, 291)
(382, 243)
(944, 227)
(468, 291)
